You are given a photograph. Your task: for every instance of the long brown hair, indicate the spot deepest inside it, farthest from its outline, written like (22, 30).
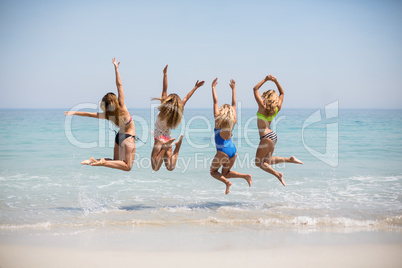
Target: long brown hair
(271, 101)
(110, 105)
(170, 110)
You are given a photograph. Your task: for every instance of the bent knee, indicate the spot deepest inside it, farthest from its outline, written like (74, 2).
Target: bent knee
(226, 172)
(128, 168)
(212, 172)
(170, 168)
(258, 162)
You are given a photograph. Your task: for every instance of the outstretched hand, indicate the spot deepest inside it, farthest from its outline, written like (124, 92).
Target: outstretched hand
(116, 64)
(232, 84)
(199, 84)
(165, 70)
(69, 113)
(215, 82)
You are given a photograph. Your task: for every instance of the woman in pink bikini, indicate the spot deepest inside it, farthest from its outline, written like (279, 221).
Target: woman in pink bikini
(169, 117)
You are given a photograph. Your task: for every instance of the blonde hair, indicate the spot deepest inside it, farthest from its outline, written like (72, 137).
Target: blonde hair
(271, 101)
(110, 105)
(170, 110)
(226, 118)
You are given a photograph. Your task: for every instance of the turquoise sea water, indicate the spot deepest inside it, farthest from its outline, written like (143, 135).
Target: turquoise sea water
(351, 178)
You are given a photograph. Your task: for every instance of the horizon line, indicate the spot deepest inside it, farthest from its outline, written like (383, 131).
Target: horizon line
(204, 108)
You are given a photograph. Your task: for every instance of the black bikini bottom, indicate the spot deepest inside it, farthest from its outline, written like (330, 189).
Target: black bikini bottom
(120, 137)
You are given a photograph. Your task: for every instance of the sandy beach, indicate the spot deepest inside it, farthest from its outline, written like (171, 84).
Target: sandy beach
(163, 247)
(375, 255)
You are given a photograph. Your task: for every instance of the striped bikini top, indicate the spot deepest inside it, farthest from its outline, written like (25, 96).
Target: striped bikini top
(267, 117)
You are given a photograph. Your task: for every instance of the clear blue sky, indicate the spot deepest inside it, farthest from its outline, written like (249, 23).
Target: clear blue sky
(57, 54)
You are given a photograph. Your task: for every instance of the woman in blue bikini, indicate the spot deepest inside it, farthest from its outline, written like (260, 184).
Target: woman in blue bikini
(225, 119)
(269, 104)
(115, 110)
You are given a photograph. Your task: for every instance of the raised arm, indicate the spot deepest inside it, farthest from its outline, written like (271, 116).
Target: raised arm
(119, 85)
(280, 89)
(188, 96)
(215, 97)
(86, 114)
(233, 86)
(165, 83)
(257, 94)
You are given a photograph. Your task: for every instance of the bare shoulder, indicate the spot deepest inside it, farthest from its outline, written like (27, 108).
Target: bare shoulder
(124, 112)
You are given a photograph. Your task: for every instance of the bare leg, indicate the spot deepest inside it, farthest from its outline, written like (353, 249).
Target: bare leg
(117, 164)
(226, 172)
(157, 157)
(117, 155)
(295, 160)
(93, 160)
(117, 152)
(171, 159)
(278, 159)
(234, 174)
(217, 162)
(128, 149)
(159, 152)
(264, 166)
(264, 151)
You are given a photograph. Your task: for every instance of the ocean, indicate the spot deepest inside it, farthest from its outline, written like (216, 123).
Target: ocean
(351, 179)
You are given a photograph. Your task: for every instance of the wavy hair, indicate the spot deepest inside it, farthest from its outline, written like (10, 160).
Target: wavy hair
(170, 110)
(226, 118)
(111, 107)
(271, 101)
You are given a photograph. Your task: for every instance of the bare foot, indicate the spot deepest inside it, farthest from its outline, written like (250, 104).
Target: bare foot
(101, 162)
(89, 161)
(295, 160)
(178, 143)
(228, 184)
(248, 179)
(168, 143)
(280, 178)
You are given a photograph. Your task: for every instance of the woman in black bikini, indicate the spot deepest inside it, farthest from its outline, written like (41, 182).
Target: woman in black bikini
(116, 111)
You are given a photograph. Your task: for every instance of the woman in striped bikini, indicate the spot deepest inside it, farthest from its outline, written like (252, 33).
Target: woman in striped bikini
(269, 104)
